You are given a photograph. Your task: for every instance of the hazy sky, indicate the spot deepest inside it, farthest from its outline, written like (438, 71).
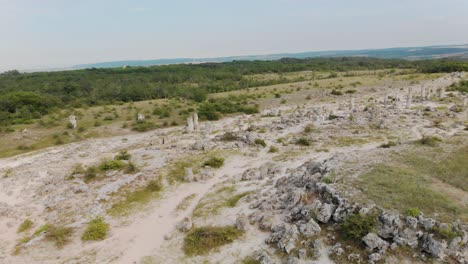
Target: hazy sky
(59, 33)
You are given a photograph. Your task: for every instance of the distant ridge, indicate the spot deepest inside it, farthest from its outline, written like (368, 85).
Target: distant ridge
(409, 53)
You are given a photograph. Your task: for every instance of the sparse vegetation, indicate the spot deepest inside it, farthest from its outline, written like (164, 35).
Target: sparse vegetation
(388, 144)
(260, 142)
(273, 149)
(430, 141)
(96, 229)
(136, 198)
(26, 225)
(214, 162)
(60, 235)
(413, 211)
(123, 155)
(201, 240)
(355, 226)
(303, 142)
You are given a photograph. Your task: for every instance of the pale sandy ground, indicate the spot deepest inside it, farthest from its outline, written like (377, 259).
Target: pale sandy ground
(39, 176)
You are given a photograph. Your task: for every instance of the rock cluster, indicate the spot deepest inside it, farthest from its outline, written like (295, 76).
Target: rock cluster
(300, 206)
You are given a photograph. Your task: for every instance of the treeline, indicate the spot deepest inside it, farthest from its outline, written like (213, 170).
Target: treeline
(31, 95)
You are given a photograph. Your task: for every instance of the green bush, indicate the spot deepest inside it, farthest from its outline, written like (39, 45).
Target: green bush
(446, 233)
(143, 126)
(308, 129)
(388, 144)
(201, 240)
(356, 226)
(109, 164)
(303, 142)
(90, 173)
(336, 92)
(214, 162)
(96, 229)
(430, 141)
(123, 155)
(260, 142)
(413, 211)
(131, 168)
(26, 225)
(229, 136)
(273, 149)
(60, 235)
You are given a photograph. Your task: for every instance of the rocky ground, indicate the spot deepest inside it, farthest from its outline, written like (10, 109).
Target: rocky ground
(292, 167)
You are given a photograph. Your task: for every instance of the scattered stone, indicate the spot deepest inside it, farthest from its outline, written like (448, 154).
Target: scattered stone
(373, 241)
(72, 121)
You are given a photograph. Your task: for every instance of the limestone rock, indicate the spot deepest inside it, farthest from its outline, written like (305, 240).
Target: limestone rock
(373, 241)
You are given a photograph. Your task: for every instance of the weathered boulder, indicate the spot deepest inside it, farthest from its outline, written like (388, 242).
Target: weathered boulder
(426, 223)
(390, 225)
(373, 242)
(374, 257)
(284, 236)
(411, 222)
(325, 212)
(309, 228)
(432, 246)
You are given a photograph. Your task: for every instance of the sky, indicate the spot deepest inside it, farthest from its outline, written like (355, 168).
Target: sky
(39, 34)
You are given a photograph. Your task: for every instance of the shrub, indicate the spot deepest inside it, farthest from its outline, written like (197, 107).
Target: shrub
(27, 224)
(229, 136)
(154, 185)
(355, 226)
(90, 173)
(303, 142)
(260, 142)
(445, 232)
(388, 144)
(308, 129)
(430, 141)
(273, 149)
(123, 155)
(413, 211)
(131, 168)
(336, 92)
(143, 126)
(59, 234)
(109, 164)
(327, 180)
(201, 240)
(97, 229)
(232, 201)
(214, 162)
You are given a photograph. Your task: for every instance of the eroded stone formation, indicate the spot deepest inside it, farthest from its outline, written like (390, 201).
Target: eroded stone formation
(72, 121)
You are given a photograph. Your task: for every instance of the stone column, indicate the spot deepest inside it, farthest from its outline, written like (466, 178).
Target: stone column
(195, 121)
(190, 124)
(140, 117)
(72, 121)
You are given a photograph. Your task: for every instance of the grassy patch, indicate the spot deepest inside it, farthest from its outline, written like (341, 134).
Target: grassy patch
(260, 142)
(429, 141)
(96, 229)
(137, 198)
(211, 203)
(454, 169)
(273, 149)
(109, 164)
(184, 204)
(303, 142)
(355, 226)
(232, 201)
(201, 240)
(399, 187)
(26, 225)
(214, 162)
(60, 235)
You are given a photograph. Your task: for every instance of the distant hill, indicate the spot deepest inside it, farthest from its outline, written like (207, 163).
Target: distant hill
(409, 53)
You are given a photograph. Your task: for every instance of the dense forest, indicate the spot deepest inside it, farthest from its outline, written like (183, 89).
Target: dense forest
(31, 95)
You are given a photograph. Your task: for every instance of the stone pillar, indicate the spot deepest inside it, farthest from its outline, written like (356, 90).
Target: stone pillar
(195, 121)
(190, 124)
(409, 98)
(442, 92)
(140, 117)
(208, 128)
(385, 99)
(189, 175)
(423, 91)
(72, 121)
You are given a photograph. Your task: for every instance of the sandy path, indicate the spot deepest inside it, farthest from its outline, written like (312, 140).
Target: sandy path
(144, 236)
